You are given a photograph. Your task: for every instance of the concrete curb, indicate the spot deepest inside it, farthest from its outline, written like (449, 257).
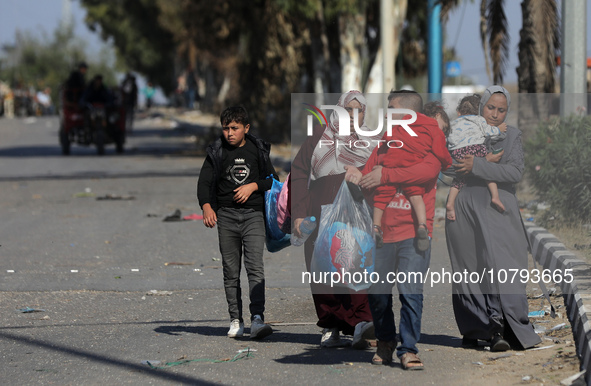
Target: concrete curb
(551, 254)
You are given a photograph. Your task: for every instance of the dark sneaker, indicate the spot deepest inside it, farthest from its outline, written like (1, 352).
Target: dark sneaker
(258, 329)
(498, 343)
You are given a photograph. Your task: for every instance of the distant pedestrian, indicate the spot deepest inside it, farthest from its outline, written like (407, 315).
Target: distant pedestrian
(149, 92)
(129, 90)
(191, 84)
(44, 101)
(179, 93)
(8, 100)
(231, 192)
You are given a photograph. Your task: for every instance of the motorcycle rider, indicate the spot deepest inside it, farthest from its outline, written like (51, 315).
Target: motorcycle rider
(76, 83)
(96, 92)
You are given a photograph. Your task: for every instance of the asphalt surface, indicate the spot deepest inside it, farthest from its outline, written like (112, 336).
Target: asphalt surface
(116, 286)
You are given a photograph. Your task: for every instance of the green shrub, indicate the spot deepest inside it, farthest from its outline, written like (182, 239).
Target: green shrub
(558, 165)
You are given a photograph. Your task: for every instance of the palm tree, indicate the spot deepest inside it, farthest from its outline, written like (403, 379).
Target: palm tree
(539, 41)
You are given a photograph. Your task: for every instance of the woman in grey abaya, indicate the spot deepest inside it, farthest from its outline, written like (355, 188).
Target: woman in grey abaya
(482, 239)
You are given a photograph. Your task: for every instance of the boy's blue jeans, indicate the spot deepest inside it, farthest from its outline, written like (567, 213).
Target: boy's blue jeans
(401, 256)
(242, 230)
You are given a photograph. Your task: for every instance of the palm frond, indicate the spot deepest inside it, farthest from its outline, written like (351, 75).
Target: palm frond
(446, 7)
(498, 38)
(483, 35)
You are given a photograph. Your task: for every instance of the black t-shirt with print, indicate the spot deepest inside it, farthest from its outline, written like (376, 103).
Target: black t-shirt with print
(239, 167)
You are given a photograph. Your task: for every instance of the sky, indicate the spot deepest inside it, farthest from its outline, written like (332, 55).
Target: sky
(461, 31)
(41, 17)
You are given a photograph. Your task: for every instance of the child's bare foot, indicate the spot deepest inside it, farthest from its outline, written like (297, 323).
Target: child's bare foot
(499, 205)
(378, 236)
(450, 213)
(422, 237)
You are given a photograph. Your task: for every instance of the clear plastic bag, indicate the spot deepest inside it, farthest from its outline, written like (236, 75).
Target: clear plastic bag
(275, 238)
(345, 247)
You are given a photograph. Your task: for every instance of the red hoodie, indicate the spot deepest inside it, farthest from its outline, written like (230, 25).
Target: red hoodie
(417, 162)
(407, 151)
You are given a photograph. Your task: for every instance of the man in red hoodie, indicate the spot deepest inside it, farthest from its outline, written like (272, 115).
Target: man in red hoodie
(403, 150)
(400, 257)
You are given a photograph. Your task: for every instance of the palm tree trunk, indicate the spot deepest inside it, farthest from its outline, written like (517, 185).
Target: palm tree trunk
(539, 41)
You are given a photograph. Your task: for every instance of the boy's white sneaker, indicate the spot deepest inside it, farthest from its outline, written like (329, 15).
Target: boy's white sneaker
(258, 328)
(236, 329)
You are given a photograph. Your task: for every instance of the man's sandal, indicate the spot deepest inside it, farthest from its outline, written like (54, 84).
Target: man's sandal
(383, 355)
(378, 235)
(422, 237)
(410, 361)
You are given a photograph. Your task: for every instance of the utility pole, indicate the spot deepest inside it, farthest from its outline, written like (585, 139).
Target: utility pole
(434, 50)
(66, 14)
(573, 61)
(387, 45)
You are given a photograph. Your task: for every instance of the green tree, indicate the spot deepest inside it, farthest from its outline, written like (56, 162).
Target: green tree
(558, 166)
(47, 61)
(139, 40)
(256, 53)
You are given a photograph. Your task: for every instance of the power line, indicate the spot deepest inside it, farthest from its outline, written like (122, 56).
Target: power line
(461, 23)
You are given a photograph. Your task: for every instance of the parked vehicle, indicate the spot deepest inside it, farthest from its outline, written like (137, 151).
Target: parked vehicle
(89, 124)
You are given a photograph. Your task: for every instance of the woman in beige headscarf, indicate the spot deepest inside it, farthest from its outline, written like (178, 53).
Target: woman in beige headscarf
(316, 175)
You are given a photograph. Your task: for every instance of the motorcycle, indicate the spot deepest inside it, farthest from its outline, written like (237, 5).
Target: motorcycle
(93, 124)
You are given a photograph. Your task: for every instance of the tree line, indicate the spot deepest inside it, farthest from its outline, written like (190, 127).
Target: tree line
(258, 52)
(34, 63)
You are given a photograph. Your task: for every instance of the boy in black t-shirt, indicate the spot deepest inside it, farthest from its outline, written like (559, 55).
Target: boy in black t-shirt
(231, 192)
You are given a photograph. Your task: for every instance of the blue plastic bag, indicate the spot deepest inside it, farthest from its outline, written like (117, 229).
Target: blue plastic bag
(345, 247)
(275, 238)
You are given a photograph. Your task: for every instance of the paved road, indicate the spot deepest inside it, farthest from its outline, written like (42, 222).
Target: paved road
(91, 265)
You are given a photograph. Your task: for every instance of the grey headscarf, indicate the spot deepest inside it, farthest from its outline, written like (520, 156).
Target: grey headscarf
(493, 90)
